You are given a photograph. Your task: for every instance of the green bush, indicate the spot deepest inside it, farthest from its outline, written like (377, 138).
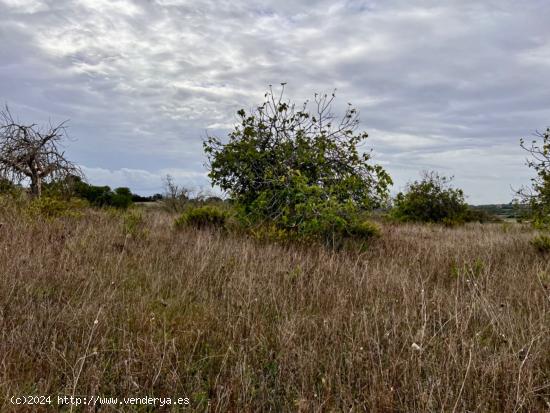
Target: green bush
(50, 207)
(14, 192)
(8, 188)
(133, 222)
(308, 217)
(537, 197)
(208, 216)
(120, 198)
(431, 199)
(364, 230)
(296, 171)
(541, 243)
(331, 230)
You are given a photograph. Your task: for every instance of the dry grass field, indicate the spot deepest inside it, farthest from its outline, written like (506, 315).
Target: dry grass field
(426, 319)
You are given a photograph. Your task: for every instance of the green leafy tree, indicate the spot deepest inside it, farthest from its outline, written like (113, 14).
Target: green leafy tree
(537, 196)
(432, 199)
(74, 186)
(298, 167)
(121, 198)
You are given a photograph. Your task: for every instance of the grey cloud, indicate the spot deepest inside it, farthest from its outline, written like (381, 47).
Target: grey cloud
(447, 85)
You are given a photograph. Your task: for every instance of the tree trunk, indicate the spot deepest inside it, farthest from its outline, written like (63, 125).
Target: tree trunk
(36, 186)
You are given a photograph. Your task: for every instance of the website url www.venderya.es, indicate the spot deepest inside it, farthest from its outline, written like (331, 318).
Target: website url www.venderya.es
(99, 400)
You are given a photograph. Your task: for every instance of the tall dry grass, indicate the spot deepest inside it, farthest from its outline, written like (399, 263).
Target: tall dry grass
(427, 319)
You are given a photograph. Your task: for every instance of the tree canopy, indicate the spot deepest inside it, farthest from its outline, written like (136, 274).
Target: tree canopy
(432, 199)
(297, 165)
(537, 196)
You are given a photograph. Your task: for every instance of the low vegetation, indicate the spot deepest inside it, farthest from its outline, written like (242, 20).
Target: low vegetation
(541, 243)
(428, 318)
(207, 216)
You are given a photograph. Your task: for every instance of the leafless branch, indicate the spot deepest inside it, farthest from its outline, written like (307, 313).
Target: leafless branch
(33, 153)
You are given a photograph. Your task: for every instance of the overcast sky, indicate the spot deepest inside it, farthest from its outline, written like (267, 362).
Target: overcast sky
(444, 85)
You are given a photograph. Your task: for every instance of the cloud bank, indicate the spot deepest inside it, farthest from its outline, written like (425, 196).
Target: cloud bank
(450, 86)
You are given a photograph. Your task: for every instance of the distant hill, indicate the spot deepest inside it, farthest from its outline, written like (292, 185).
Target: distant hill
(503, 211)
